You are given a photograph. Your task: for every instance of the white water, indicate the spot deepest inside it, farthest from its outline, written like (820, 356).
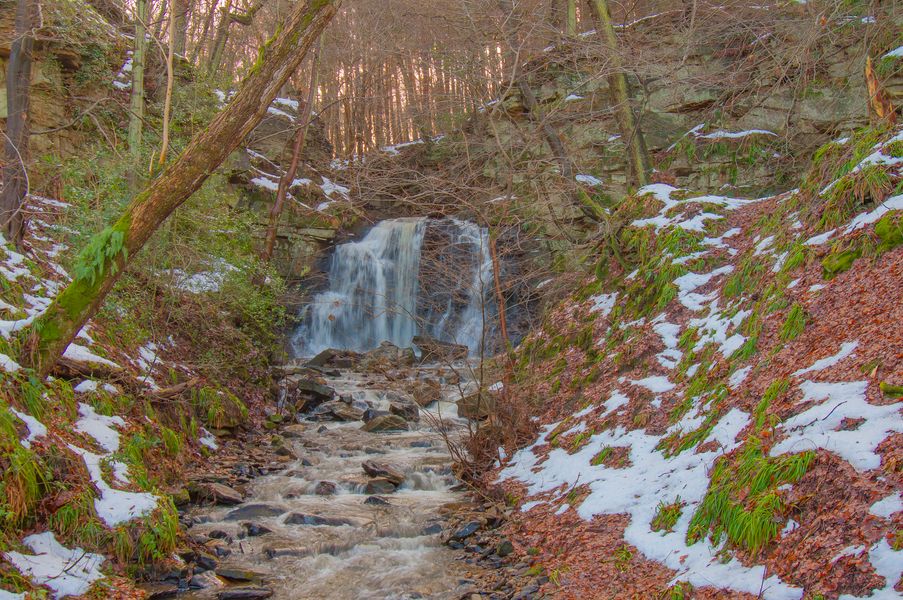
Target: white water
(380, 289)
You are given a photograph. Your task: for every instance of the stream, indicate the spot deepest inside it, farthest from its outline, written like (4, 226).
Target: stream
(323, 528)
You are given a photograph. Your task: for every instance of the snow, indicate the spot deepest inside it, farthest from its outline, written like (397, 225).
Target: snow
(655, 383)
(860, 221)
(714, 328)
(329, 188)
(888, 506)
(588, 180)
(8, 364)
(817, 240)
(573, 98)
(4, 595)
(820, 425)
(763, 245)
(603, 303)
(36, 429)
(636, 491)
(614, 402)
(718, 135)
(895, 53)
(207, 439)
(669, 332)
(267, 184)
(663, 193)
(114, 506)
(99, 427)
(846, 350)
(287, 102)
(280, 113)
(67, 572)
(394, 150)
(85, 387)
(738, 377)
(81, 354)
(817, 287)
(886, 562)
(691, 281)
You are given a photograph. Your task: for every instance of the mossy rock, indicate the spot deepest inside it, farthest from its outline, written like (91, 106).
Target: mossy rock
(890, 231)
(839, 262)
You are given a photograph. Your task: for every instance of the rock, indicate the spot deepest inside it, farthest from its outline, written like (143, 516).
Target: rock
(339, 359)
(386, 423)
(326, 488)
(407, 411)
(431, 529)
(180, 497)
(476, 406)
(379, 485)
(316, 520)
(372, 413)
(159, 591)
(255, 529)
(425, 391)
(339, 411)
(217, 493)
(467, 530)
(205, 581)
(421, 444)
(245, 593)
(504, 548)
(389, 472)
(322, 429)
(376, 501)
(205, 562)
(387, 356)
(240, 575)
(218, 534)
(433, 350)
(255, 511)
(294, 431)
(317, 392)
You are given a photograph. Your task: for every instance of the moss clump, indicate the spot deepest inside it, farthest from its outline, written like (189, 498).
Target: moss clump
(743, 502)
(794, 324)
(839, 262)
(890, 390)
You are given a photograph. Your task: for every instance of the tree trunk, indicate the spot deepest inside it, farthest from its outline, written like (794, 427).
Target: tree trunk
(222, 34)
(170, 80)
(620, 96)
(103, 260)
(179, 27)
(18, 95)
(202, 40)
(285, 182)
(571, 29)
(139, 55)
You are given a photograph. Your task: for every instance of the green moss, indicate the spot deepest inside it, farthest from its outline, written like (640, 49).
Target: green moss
(838, 262)
(890, 390)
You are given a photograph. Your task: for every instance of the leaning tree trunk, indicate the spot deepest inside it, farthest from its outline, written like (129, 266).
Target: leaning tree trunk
(179, 27)
(139, 55)
(620, 96)
(289, 176)
(18, 84)
(103, 260)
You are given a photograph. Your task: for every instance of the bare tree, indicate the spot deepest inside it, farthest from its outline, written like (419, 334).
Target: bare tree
(18, 84)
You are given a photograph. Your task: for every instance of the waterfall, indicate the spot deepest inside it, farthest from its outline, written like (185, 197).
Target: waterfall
(405, 277)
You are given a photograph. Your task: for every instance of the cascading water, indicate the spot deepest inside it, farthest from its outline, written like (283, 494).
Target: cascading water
(405, 277)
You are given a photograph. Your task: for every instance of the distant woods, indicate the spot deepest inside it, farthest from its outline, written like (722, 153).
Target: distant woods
(391, 71)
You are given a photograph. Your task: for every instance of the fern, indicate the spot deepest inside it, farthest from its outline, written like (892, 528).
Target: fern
(103, 247)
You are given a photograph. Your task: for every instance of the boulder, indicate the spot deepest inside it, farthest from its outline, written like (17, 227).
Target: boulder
(245, 593)
(372, 413)
(425, 391)
(326, 488)
(380, 485)
(317, 520)
(390, 472)
(216, 493)
(476, 406)
(338, 411)
(335, 359)
(311, 387)
(255, 511)
(240, 575)
(433, 350)
(386, 357)
(408, 410)
(386, 423)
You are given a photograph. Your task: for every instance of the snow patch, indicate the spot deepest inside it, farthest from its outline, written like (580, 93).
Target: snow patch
(846, 350)
(67, 572)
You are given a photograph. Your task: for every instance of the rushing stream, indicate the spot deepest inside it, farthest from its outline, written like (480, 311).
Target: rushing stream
(405, 277)
(351, 544)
